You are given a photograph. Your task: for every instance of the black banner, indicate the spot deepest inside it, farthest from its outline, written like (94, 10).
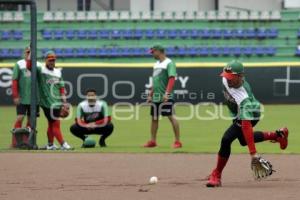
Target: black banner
(194, 85)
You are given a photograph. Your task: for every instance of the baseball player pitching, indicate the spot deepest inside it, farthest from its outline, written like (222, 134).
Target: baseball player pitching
(246, 111)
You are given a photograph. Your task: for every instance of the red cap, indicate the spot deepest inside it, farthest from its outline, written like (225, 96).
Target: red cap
(228, 75)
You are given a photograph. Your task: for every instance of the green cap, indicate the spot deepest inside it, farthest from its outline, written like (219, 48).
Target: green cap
(232, 69)
(158, 47)
(50, 55)
(235, 66)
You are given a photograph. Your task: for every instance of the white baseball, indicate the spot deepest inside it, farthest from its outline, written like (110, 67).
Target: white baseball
(153, 180)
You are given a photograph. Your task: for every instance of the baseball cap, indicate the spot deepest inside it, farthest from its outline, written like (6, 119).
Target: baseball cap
(50, 55)
(158, 47)
(231, 69)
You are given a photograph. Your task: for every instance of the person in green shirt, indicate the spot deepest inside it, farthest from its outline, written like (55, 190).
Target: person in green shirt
(52, 99)
(21, 91)
(161, 95)
(245, 110)
(93, 117)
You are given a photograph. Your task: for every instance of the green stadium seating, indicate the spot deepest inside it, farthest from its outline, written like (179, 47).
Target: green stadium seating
(189, 36)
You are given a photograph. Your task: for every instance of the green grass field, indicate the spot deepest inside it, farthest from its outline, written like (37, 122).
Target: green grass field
(198, 136)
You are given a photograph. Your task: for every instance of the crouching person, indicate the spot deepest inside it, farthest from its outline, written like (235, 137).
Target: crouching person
(93, 117)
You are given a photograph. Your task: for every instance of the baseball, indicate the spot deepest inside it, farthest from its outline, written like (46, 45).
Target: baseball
(153, 180)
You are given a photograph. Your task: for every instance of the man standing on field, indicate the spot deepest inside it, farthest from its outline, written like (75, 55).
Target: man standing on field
(21, 88)
(161, 94)
(52, 99)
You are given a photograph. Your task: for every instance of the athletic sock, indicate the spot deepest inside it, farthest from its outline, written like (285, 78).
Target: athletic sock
(50, 134)
(18, 124)
(221, 163)
(269, 135)
(56, 131)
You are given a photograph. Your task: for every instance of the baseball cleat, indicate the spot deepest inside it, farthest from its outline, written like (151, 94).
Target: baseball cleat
(214, 179)
(150, 144)
(282, 139)
(65, 146)
(177, 144)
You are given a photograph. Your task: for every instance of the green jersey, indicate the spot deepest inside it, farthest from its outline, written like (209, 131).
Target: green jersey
(92, 113)
(160, 77)
(50, 82)
(241, 102)
(23, 76)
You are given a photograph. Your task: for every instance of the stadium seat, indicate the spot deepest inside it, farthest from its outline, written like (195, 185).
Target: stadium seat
(128, 34)
(116, 34)
(204, 33)
(146, 16)
(168, 16)
(70, 34)
(5, 53)
(104, 34)
(275, 15)
(82, 34)
(150, 34)
(171, 51)
(58, 52)
(270, 51)
(171, 33)
(67, 53)
(226, 51)
(91, 16)
(215, 51)
(138, 34)
(16, 53)
(183, 33)
(233, 15)
(70, 16)
(189, 16)
(59, 16)
(272, 33)
(264, 15)
(19, 17)
(7, 17)
(113, 15)
(254, 15)
(243, 15)
(5, 35)
(102, 15)
(192, 51)
(216, 33)
(236, 51)
(80, 16)
(135, 16)
(203, 51)
(261, 33)
(179, 15)
(250, 33)
(91, 52)
(92, 34)
(79, 52)
(156, 15)
(48, 17)
(297, 52)
(222, 15)
(58, 34)
(161, 33)
(226, 33)
(17, 35)
(124, 15)
(211, 15)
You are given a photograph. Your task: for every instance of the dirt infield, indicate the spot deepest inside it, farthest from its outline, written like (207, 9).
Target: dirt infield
(125, 176)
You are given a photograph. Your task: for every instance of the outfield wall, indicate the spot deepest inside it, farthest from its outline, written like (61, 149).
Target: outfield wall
(196, 82)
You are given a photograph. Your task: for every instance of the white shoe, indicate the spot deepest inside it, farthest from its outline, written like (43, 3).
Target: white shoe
(51, 147)
(66, 146)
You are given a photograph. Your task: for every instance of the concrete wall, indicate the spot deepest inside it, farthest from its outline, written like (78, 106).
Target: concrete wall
(180, 5)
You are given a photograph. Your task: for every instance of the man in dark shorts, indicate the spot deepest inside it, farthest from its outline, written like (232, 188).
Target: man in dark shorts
(93, 117)
(52, 99)
(161, 95)
(21, 91)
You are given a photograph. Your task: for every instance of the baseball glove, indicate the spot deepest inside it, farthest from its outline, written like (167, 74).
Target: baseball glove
(261, 168)
(64, 111)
